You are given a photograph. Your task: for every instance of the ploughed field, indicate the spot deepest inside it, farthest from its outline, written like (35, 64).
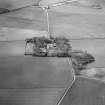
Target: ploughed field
(29, 81)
